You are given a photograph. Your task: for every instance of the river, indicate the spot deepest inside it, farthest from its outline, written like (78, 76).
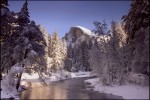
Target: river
(67, 89)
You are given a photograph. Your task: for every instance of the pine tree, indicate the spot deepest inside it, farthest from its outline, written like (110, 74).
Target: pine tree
(110, 48)
(101, 27)
(23, 43)
(7, 20)
(136, 24)
(9, 33)
(137, 17)
(57, 53)
(23, 18)
(30, 48)
(46, 37)
(117, 52)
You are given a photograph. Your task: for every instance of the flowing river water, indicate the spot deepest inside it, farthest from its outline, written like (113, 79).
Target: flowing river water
(67, 89)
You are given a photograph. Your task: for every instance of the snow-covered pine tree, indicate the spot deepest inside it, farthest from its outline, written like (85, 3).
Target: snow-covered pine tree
(4, 20)
(111, 49)
(103, 48)
(46, 37)
(116, 50)
(101, 43)
(30, 47)
(95, 60)
(57, 53)
(137, 28)
(137, 17)
(26, 35)
(24, 44)
(9, 33)
(4, 9)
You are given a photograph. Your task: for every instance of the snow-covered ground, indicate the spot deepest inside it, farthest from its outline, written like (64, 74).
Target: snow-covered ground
(26, 78)
(56, 76)
(127, 91)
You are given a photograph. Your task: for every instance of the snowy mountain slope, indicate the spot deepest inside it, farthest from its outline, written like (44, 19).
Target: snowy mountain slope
(85, 30)
(78, 34)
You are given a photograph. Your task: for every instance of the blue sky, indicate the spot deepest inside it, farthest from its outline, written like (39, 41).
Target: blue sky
(61, 15)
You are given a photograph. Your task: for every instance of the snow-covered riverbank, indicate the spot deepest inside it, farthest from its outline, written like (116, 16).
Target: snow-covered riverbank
(127, 91)
(26, 78)
(33, 81)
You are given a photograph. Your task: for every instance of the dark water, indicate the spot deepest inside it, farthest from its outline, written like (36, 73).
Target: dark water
(68, 89)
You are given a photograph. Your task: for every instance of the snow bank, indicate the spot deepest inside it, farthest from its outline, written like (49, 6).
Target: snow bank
(67, 75)
(59, 75)
(29, 81)
(28, 76)
(8, 84)
(80, 74)
(127, 91)
(63, 75)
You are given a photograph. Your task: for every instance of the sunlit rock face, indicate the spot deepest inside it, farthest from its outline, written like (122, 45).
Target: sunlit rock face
(78, 42)
(78, 34)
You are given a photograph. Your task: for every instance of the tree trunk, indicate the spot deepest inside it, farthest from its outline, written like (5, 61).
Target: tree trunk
(18, 82)
(19, 78)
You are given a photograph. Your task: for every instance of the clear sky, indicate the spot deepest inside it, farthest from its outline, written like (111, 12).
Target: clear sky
(61, 15)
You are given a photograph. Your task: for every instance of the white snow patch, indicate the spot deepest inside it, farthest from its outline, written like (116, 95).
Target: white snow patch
(53, 78)
(85, 30)
(59, 75)
(127, 91)
(80, 74)
(27, 76)
(63, 75)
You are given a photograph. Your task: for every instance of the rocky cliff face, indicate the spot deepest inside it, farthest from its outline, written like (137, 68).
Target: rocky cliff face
(78, 42)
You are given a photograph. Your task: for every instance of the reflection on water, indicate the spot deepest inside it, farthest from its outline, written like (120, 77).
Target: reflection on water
(44, 93)
(69, 89)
